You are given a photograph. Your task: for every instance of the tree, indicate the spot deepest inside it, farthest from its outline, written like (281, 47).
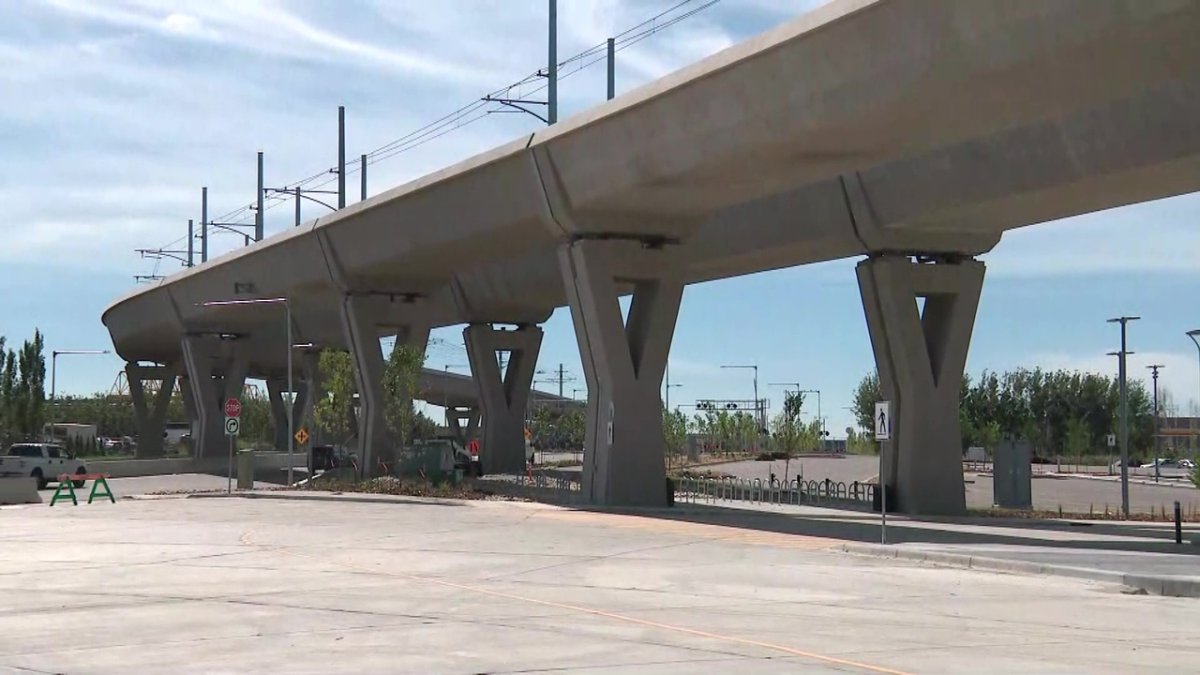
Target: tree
(1043, 407)
(866, 395)
(333, 408)
(557, 427)
(401, 377)
(675, 431)
(1077, 439)
(8, 390)
(786, 432)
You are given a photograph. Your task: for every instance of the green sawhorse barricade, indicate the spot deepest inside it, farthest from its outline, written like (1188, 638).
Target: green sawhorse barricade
(66, 487)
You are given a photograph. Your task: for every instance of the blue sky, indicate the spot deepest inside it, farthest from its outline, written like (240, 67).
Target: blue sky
(117, 112)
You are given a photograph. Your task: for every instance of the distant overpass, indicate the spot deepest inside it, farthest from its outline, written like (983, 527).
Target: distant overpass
(907, 132)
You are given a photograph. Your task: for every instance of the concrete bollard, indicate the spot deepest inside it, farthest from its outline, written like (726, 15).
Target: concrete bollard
(245, 470)
(19, 491)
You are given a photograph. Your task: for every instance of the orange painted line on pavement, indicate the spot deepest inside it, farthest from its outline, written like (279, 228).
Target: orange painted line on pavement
(246, 539)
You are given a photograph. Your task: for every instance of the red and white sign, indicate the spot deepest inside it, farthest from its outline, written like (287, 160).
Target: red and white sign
(233, 408)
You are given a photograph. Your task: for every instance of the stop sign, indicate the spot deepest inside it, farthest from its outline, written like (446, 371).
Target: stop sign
(233, 408)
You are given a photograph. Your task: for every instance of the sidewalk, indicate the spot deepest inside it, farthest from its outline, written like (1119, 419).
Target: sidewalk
(1143, 556)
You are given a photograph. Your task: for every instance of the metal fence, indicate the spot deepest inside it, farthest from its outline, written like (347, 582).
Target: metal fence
(538, 487)
(689, 490)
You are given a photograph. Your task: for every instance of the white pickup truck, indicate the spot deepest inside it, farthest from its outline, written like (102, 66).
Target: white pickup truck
(43, 461)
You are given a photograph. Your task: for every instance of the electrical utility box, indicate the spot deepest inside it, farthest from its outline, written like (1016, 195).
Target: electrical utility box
(1012, 475)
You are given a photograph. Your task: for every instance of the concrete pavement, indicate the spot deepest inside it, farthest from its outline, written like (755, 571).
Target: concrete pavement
(422, 586)
(1139, 555)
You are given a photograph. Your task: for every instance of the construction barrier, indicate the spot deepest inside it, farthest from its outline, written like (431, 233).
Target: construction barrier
(66, 487)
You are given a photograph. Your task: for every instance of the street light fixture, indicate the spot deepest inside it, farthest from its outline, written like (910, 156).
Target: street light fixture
(287, 307)
(54, 374)
(1124, 321)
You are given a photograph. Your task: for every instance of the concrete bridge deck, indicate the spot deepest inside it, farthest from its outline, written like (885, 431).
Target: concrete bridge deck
(880, 128)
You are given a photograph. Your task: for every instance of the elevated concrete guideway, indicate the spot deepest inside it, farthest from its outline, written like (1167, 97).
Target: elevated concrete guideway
(890, 129)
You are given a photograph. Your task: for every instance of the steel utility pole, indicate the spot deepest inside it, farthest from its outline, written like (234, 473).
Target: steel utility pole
(203, 224)
(363, 166)
(191, 241)
(1193, 335)
(612, 68)
(1154, 368)
(1124, 321)
(341, 167)
(552, 70)
(258, 202)
(667, 401)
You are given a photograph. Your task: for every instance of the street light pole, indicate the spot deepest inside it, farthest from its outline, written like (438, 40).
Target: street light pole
(1193, 334)
(667, 397)
(54, 375)
(1124, 392)
(1154, 368)
(552, 67)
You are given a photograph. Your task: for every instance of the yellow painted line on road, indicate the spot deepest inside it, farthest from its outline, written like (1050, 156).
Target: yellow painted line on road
(247, 539)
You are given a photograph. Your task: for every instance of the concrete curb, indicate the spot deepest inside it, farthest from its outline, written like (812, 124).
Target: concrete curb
(1154, 585)
(356, 497)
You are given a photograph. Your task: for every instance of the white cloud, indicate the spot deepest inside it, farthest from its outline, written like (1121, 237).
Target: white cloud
(1158, 236)
(184, 24)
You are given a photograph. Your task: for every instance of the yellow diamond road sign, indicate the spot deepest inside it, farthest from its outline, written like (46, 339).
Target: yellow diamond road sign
(302, 436)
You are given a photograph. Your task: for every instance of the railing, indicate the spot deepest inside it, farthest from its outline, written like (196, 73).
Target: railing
(691, 490)
(536, 486)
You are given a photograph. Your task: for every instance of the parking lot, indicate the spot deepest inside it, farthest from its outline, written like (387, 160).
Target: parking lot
(419, 586)
(1073, 494)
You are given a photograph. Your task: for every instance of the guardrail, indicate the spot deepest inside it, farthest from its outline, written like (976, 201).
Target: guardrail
(690, 490)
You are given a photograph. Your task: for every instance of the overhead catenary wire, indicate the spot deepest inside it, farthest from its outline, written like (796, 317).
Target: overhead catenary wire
(472, 112)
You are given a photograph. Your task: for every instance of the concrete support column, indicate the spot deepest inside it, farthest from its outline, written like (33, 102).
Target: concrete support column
(463, 423)
(215, 372)
(151, 416)
(361, 323)
(277, 394)
(625, 451)
(920, 356)
(503, 396)
(362, 339)
(307, 395)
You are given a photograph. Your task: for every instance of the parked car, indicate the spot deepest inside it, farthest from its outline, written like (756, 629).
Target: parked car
(1187, 464)
(44, 462)
(1163, 463)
